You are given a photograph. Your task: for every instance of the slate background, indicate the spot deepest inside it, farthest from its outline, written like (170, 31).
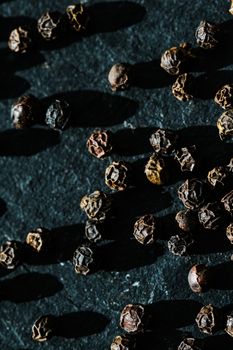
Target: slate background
(44, 174)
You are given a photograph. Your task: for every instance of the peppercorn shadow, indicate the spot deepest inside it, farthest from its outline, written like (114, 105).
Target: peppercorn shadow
(211, 241)
(13, 86)
(218, 341)
(163, 339)
(221, 276)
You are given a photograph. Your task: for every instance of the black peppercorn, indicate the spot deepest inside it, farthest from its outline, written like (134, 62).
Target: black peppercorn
(144, 229)
(132, 318)
(78, 17)
(227, 201)
(231, 8)
(198, 278)
(58, 115)
(186, 158)
(224, 96)
(211, 216)
(190, 344)
(99, 143)
(209, 319)
(230, 166)
(229, 232)
(180, 244)
(93, 231)
(25, 111)
(19, 40)
(186, 220)
(172, 60)
(96, 205)
(193, 193)
(219, 177)
(156, 170)
(117, 176)
(229, 325)
(123, 342)
(120, 76)
(182, 88)
(39, 239)
(82, 259)
(51, 25)
(10, 254)
(163, 141)
(225, 124)
(207, 35)
(43, 328)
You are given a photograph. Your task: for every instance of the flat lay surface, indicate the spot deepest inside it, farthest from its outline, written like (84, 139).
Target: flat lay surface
(44, 174)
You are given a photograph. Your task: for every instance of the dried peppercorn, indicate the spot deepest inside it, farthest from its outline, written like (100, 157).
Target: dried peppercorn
(180, 244)
(163, 141)
(225, 124)
(224, 96)
(123, 342)
(25, 111)
(219, 177)
(186, 158)
(182, 88)
(78, 17)
(51, 25)
(132, 318)
(231, 8)
(43, 328)
(99, 143)
(82, 259)
(120, 76)
(38, 239)
(117, 176)
(10, 254)
(156, 170)
(173, 60)
(208, 35)
(230, 166)
(19, 40)
(227, 201)
(209, 319)
(96, 205)
(193, 193)
(186, 220)
(198, 278)
(211, 216)
(58, 115)
(93, 231)
(229, 325)
(229, 232)
(144, 229)
(190, 344)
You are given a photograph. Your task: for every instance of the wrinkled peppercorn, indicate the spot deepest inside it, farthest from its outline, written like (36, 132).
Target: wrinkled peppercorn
(224, 96)
(19, 40)
(231, 8)
(172, 60)
(43, 328)
(227, 201)
(50, 25)
(186, 158)
(144, 229)
(198, 278)
(229, 232)
(117, 176)
(190, 344)
(132, 318)
(186, 220)
(211, 216)
(219, 177)
(58, 115)
(193, 193)
(25, 111)
(38, 239)
(225, 124)
(93, 231)
(123, 342)
(156, 170)
(10, 254)
(182, 88)
(99, 143)
(163, 141)
(230, 166)
(180, 244)
(96, 205)
(120, 76)
(78, 17)
(82, 259)
(209, 319)
(229, 325)
(207, 35)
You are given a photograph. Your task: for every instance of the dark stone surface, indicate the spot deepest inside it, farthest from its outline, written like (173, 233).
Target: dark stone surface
(44, 174)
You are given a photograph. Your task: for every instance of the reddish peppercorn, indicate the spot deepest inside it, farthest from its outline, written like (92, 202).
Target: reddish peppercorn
(198, 278)
(132, 318)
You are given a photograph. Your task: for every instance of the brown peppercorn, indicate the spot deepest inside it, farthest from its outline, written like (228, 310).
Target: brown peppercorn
(96, 205)
(19, 40)
(132, 318)
(229, 232)
(229, 325)
(182, 88)
(209, 319)
(10, 254)
(163, 141)
(231, 8)
(186, 158)
(190, 344)
(225, 124)
(123, 342)
(211, 216)
(117, 176)
(78, 17)
(50, 25)
(207, 35)
(99, 143)
(144, 229)
(93, 231)
(219, 177)
(193, 193)
(180, 244)
(82, 259)
(38, 239)
(227, 201)
(156, 170)
(43, 328)
(172, 60)
(224, 96)
(198, 278)
(25, 111)
(186, 220)
(120, 76)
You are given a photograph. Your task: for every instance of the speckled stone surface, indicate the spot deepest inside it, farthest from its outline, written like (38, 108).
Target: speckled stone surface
(45, 173)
